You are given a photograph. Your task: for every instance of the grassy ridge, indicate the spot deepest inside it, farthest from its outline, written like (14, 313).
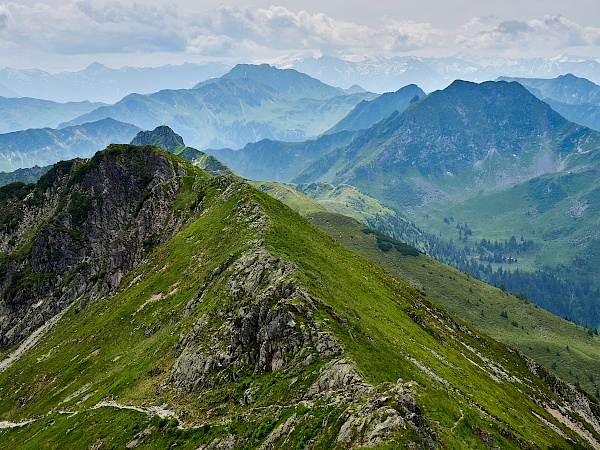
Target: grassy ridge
(568, 350)
(122, 348)
(394, 332)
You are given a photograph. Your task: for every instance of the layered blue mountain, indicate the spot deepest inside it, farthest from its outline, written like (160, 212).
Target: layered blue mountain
(380, 73)
(368, 113)
(46, 146)
(575, 98)
(102, 84)
(283, 81)
(248, 104)
(23, 113)
(467, 138)
(281, 161)
(27, 175)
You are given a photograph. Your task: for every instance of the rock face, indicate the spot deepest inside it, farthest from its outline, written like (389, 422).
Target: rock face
(80, 229)
(575, 401)
(165, 138)
(264, 324)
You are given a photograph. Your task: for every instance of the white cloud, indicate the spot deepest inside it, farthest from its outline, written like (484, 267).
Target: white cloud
(537, 37)
(90, 27)
(211, 45)
(83, 27)
(5, 17)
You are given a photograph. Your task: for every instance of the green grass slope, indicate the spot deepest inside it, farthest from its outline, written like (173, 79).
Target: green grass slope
(250, 327)
(558, 214)
(570, 351)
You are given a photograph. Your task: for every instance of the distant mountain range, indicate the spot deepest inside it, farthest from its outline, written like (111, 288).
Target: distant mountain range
(577, 99)
(277, 160)
(47, 146)
(385, 74)
(101, 84)
(368, 113)
(280, 161)
(22, 113)
(29, 175)
(248, 104)
(469, 137)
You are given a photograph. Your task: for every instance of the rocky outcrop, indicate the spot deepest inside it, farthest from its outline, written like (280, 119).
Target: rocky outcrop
(375, 413)
(80, 230)
(265, 324)
(575, 402)
(162, 137)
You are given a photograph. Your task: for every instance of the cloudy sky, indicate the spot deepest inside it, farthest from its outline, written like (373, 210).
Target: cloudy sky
(68, 35)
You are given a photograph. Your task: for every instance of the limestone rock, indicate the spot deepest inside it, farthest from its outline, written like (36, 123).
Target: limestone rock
(264, 326)
(89, 223)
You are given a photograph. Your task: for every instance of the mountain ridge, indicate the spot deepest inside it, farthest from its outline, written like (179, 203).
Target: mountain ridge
(577, 99)
(99, 83)
(368, 113)
(165, 138)
(231, 112)
(25, 112)
(249, 327)
(21, 149)
(478, 129)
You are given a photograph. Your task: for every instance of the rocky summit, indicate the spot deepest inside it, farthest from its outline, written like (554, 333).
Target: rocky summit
(148, 304)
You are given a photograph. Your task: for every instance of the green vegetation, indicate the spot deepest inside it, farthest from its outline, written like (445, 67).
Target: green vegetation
(118, 350)
(79, 208)
(538, 334)
(537, 237)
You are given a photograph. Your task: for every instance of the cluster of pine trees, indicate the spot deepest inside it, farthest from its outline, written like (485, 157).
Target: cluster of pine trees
(559, 290)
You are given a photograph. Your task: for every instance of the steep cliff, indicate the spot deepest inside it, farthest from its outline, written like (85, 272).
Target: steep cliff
(82, 227)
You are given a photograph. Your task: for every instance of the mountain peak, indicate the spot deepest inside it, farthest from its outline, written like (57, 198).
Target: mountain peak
(368, 113)
(457, 136)
(285, 81)
(95, 67)
(163, 137)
